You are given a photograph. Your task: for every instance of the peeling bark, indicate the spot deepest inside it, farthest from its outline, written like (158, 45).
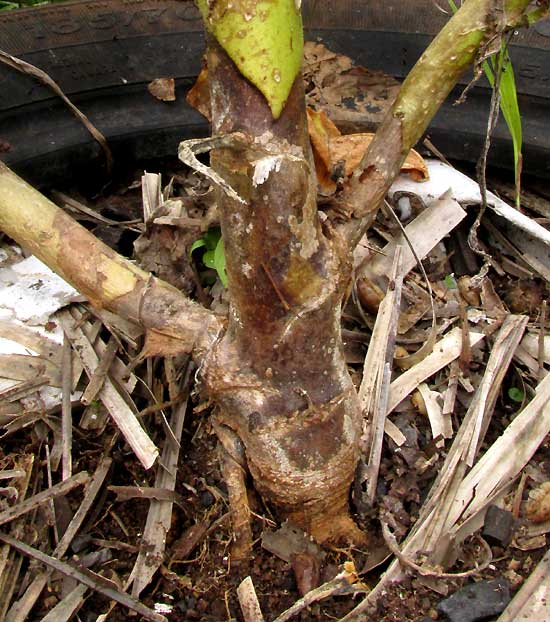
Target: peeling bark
(278, 375)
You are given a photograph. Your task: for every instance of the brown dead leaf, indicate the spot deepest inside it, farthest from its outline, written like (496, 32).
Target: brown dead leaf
(337, 156)
(355, 98)
(289, 541)
(307, 570)
(199, 95)
(352, 148)
(321, 131)
(538, 506)
(163, 89)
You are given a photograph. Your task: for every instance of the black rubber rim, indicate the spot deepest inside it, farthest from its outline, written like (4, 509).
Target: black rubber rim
(103, 54)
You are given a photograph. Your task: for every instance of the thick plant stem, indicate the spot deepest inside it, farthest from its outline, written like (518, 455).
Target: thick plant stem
(173, 323)
(279, 375)
(478, 23)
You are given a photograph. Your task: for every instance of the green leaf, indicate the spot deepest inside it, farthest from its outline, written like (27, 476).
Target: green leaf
(508, 104)
(209, 240)
(208, 260)
(200, 243)
(515, 394)
(212, 237)
(214, 255)
(450, 282)
(219, 262)
(264, 38)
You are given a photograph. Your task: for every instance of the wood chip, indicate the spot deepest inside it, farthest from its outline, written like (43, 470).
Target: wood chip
(440, 424)
(249, 601)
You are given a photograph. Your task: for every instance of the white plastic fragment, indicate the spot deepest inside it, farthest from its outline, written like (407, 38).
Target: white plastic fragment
(31, 292)
(443, 177)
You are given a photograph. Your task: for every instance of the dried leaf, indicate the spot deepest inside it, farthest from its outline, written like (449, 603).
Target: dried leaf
(355, 98)
(163, 89)
(538, 506)
(199, 95)
(337, 156)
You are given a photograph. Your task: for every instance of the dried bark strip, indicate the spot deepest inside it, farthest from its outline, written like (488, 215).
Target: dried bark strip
(121, 413)
(445, 351)
(21, 609)
(159, 517)
(502, 352)
(98, 378)
(89, 579)
(66, 408)
(43, 497)
(375, 385)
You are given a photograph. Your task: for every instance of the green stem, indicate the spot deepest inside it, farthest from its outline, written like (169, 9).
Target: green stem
(421, 95)
(264, 38)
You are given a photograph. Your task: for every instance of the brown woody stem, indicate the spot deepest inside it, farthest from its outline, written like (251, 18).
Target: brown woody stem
(279, 374)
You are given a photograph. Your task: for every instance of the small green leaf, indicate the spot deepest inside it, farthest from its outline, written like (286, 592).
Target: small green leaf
(450, 282)
(214, 255)
(515, 394)
(208, 260)
(219, 262)
(197, 244)
(212, 237)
